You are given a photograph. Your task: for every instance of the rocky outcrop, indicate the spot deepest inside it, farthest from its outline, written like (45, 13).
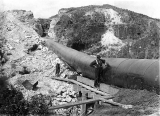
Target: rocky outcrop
(53, 23)
(23, 15)
(41, 26)
(45, 24)
(38, 28)
(107, 30)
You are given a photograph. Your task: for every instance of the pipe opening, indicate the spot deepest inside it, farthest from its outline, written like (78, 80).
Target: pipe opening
(78, 46)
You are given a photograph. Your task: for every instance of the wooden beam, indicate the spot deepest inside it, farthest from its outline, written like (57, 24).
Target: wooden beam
(116, 104)
(103, 87)
(83, 85)
(78, 103)
(83, 107)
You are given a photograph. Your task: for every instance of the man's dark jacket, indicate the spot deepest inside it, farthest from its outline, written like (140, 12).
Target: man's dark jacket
(97, 63)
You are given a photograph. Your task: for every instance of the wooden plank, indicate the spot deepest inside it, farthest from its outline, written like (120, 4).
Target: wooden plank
(84, 90)
(97, 102)
(78, 88)
(78, 103)
(86, 81)
(90, 88)
(83, 85)
(116, 104)
(90, 94)
(75, 87)
(103, 87)
(91, 100)
(98, 96)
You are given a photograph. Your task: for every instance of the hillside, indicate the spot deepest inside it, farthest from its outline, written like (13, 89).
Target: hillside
(107, 30)
(24, 58)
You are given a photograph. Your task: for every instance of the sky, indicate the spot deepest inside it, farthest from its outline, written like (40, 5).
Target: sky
(48, 8)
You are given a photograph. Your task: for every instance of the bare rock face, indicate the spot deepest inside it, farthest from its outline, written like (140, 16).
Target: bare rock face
(51, 31)
(107, 30)
(45, 24)
(28, 15)
(23, 15)
(38, 28)
(41, 26)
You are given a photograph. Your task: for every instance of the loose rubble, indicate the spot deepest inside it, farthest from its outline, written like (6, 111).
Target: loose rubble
(31, 60)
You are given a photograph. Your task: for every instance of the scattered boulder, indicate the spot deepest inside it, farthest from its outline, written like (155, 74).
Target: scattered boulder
(24, 71)
(68, 99)
(33, 48)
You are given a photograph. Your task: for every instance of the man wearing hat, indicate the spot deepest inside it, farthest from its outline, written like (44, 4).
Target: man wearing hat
(97, 64)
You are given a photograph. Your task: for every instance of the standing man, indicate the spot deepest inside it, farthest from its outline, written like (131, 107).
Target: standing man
(97, 64)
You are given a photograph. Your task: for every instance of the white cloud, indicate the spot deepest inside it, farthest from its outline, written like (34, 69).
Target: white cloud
(47, 8)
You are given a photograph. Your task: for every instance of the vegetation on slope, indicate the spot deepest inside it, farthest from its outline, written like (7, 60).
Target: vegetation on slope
(80, 30)
(13, 103)
(84, 32)
(146, 47)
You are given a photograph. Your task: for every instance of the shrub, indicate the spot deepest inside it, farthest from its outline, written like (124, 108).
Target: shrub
(13, 103)
(84, 29)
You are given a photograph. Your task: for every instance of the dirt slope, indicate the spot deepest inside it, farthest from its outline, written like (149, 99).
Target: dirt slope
(29, 59)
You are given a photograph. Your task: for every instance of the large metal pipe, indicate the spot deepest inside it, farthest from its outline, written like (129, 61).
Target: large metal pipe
(127, 73)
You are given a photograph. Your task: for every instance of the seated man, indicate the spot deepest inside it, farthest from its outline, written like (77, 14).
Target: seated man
(97, 64)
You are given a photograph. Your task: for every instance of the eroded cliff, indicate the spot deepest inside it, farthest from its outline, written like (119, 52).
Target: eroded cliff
(107, 30)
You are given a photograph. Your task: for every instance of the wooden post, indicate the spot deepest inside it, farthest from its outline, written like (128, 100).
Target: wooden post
(84, 97)
(79, 93)
(75, 111)
(75, 87)
(78, 88)
(97, 102)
